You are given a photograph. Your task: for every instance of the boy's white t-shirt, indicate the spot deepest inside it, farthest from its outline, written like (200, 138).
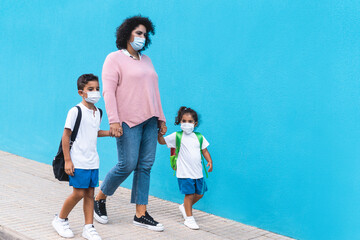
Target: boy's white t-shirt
(83, 152)
(189, 159)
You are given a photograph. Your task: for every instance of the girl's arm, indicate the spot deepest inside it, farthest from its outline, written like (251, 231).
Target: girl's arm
(161, 139)
(207, 157)
(65, 141)
(103, 133)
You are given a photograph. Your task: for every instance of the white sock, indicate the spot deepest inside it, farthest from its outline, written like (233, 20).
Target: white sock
(60, 219)
(87, 226)
(190, 217)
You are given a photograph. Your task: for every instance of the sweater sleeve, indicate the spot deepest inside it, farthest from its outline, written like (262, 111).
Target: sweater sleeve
(158, 99)
(110, 80)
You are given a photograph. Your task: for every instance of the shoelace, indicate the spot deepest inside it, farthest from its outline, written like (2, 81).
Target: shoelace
(148, 220)
(101, 207)
(147, 215)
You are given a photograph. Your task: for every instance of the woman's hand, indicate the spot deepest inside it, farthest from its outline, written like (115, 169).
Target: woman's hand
(115, 130)
(69, 167)
(162, 128)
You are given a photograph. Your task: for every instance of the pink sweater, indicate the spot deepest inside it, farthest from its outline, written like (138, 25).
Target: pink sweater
(131, 90)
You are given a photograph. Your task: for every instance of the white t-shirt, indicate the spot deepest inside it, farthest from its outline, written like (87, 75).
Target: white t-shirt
(83, 153)
(189, 159)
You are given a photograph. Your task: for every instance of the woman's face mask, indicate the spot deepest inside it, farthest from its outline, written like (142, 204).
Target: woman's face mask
(138, 43)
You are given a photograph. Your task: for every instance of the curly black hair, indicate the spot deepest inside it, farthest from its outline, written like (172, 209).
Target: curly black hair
(123, 32)
(183, 110)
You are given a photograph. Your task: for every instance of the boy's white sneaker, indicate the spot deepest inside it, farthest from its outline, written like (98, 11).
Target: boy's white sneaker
(191, 223)
(182, 210)
(89, 232)
(62, 227)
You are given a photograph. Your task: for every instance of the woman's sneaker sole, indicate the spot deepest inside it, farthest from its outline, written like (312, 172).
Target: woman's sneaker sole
(153, 228)
(100, 219)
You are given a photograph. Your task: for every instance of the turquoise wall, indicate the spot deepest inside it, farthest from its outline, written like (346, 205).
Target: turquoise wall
(276, 84)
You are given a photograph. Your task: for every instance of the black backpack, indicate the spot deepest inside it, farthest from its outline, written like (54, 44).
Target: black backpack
(59, 161)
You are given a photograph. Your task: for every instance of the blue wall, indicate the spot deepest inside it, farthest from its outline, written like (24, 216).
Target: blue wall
(276, 84)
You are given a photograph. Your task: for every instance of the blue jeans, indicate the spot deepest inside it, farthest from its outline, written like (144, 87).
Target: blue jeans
(136, 152)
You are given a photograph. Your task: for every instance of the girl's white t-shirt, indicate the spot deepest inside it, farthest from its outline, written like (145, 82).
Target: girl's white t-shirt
(83, 153)
(189, 159)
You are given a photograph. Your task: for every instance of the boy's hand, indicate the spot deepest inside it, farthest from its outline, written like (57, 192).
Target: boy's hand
(115, 130)
(69, 168)
(211, 166)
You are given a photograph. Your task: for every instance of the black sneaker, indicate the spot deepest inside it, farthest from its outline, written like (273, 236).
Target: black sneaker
(148, 222)
(100, 211)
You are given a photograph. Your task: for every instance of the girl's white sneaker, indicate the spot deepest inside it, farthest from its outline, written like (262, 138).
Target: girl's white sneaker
(191, 223)
(89, 232)
(182, 210)
(62, 227)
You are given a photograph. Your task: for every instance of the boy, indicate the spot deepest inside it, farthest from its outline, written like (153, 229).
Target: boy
(82, 161)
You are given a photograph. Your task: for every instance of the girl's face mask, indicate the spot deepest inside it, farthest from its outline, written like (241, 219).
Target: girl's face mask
(188, 128)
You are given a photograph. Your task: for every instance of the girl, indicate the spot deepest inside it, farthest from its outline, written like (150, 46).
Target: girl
(189, 166)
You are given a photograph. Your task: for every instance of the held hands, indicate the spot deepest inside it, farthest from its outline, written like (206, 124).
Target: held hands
(69, 167)
(115, 130)
(162, 128)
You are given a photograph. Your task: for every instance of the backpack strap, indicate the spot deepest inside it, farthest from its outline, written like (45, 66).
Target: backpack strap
(178, 144)
(76, 127)
(100, 113)
(201, 139)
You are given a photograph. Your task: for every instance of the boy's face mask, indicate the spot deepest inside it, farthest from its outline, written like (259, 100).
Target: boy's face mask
(93, 97)
(188, 128)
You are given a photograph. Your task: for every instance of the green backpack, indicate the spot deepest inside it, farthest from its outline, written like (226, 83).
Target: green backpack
(174, 152)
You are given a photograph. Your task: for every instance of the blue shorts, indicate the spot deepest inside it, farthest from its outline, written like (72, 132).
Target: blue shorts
(191, 186)
(84, 178)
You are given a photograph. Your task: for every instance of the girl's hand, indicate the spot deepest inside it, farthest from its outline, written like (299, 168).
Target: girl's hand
(115, 130)
(210, 165)
(163, 128)
(69, 167)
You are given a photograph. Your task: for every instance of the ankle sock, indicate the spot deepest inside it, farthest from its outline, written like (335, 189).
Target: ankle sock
(87, 226)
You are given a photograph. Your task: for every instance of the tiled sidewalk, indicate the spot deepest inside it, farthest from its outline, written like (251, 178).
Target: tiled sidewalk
(30, 196)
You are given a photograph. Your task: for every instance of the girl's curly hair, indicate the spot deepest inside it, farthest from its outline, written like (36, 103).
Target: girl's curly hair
(184, 110)
(123, 32)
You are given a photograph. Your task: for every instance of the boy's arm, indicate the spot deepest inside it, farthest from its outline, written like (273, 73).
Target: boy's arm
(161, 139)
(207, 157)
(103, 133)
(69, 166)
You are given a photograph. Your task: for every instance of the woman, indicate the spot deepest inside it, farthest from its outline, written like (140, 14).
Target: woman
(132, 101)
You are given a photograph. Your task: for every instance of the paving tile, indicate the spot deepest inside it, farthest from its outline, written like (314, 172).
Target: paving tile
(29, 191)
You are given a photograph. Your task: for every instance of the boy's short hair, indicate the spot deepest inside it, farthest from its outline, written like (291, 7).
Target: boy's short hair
(84, 79)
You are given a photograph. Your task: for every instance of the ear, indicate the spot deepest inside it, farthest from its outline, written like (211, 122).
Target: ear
(81, 93)
(196, 123)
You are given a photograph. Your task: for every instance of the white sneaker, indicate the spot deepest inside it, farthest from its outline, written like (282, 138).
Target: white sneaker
(62, 227)
(89, 232)
(191, 223)
(182, 210)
